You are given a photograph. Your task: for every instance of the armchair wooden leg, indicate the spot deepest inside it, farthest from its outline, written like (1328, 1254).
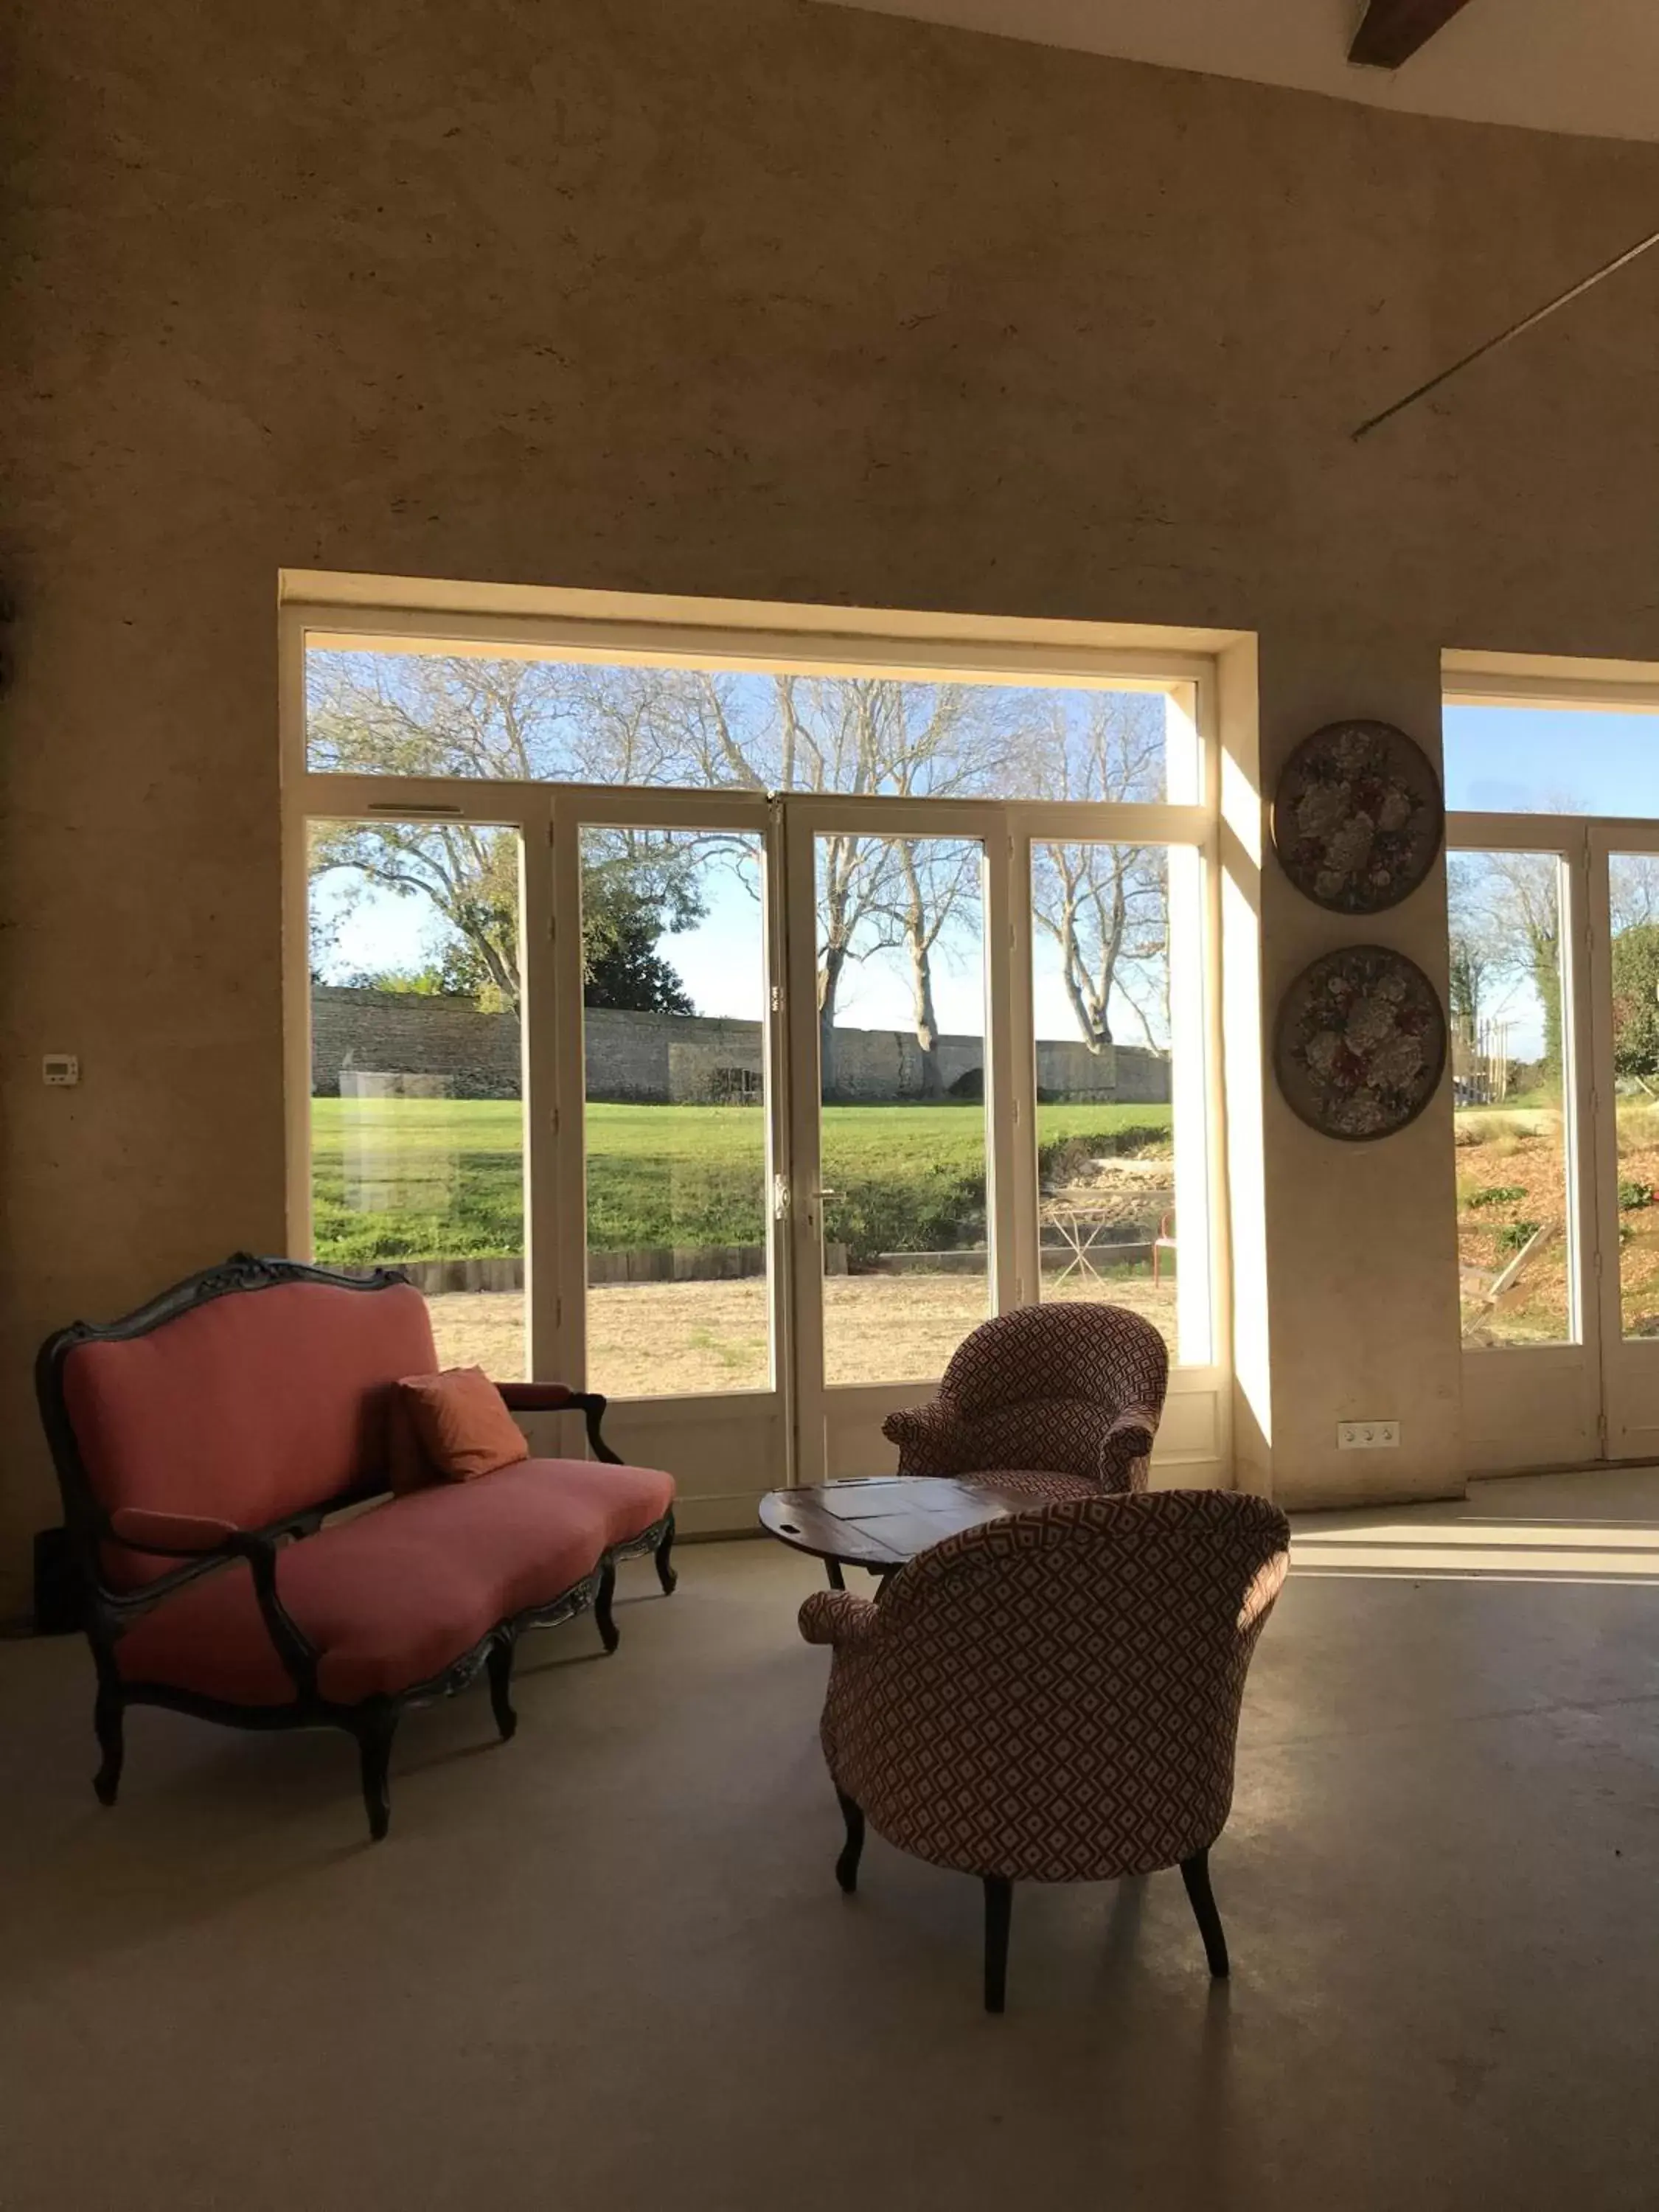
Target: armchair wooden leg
(999, 1911)
(108, 1718)
(499, 1663)
(665, 1574)
(1195, 1873)
(609, 1634)
(847, 1866)
(374, 1732)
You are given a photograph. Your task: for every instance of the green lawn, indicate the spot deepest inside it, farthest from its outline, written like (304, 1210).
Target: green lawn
(419, 1178)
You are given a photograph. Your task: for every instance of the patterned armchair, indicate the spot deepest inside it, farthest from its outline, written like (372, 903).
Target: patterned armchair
(1057, 1401)
(1054, 1697)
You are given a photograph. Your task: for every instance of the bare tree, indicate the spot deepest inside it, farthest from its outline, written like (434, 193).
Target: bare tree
(1105, 906)
(437, 714)
(1633, 890)
(463, 716)
(1504, 913)
(934, 880)
(863, 737)
(1473, 956)
(466, 874)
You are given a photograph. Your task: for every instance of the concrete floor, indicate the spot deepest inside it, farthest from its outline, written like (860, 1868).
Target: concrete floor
(607, 1963)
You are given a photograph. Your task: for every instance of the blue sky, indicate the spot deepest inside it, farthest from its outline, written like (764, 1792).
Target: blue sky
(1527, 760)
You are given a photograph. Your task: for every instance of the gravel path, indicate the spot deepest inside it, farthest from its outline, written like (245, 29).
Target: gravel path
(659, 1340)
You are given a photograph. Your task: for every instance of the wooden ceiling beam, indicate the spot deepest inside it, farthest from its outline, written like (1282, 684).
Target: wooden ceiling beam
(1393, 30)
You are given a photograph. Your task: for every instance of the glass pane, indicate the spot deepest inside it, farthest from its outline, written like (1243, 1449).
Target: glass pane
(901, 961)
(434, 712)
(417, 1116)
(1551, 760)
(1633, 889)
(1101, 951)
(1512, 1117)
(673, 943)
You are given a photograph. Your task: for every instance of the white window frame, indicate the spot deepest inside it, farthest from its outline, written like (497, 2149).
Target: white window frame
(1529, 1407)
(364, 613)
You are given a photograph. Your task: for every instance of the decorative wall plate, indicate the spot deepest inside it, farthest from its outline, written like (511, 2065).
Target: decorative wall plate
(1361, 1043)
(1357, 817)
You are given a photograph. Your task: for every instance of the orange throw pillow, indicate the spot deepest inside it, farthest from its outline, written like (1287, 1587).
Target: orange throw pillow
(464, 1428)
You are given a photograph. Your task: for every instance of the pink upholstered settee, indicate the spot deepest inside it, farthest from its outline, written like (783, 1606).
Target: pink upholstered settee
(205, 1446)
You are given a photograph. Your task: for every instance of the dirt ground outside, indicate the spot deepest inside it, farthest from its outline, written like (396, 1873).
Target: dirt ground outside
(668, 1340)
(1512, 1181)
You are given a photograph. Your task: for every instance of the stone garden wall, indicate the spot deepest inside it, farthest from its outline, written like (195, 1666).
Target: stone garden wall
(673, 1059)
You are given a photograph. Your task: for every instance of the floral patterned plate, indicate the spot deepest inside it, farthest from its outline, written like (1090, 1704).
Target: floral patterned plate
(1361, 1043)
(1357, 817)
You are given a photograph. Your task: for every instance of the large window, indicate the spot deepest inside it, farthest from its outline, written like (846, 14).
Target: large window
(732, 1030)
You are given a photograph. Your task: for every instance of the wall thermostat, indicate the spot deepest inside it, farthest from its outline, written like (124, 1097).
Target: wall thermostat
(60, 1067)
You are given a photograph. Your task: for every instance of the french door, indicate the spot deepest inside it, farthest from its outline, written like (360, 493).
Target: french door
(869, 1341)
(1623, 865)
(1557, 1126)
(853, 1172)
(791, 1126)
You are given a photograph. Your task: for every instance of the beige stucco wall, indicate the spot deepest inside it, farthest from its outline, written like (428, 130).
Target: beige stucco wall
(756, 299)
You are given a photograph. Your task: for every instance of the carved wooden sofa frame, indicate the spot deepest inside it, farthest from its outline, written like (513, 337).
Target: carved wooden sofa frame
(108, 1612)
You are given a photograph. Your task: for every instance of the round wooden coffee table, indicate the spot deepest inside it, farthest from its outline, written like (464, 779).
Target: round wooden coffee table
(881, 1521)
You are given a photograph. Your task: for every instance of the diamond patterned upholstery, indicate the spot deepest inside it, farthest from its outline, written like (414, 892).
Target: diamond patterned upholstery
(1074, 1392)
(1055, 1695)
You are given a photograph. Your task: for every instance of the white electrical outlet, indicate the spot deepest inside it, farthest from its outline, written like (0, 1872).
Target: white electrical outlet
(1368, 1436)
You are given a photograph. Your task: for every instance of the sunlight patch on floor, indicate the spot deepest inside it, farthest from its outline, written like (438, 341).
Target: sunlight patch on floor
(1489, 1537)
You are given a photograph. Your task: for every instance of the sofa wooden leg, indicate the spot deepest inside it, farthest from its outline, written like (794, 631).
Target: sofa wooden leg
(499, 1663)
(847, 1866)
(665, 1574)
(610, 1635)
(1195, 1873)
(999, 1911)
(375, 1733)
(108, 1718)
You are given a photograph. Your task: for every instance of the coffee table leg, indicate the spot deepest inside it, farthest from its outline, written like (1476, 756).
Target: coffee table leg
(832, 1568)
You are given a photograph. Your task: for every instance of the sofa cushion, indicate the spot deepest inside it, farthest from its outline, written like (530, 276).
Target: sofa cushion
(257, 1404)
(393, 1596)
(462, 1423)
(627, 1500)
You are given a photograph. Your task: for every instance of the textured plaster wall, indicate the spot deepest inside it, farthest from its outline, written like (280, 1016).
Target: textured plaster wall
(751, 298)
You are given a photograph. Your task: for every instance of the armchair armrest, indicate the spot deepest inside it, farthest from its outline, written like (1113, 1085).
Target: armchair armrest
(1128, 1438)
(557, 1398)
(177, 1536)
(197, 1539)
(534, 1397)
(933, 1439)
(839, 1617)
